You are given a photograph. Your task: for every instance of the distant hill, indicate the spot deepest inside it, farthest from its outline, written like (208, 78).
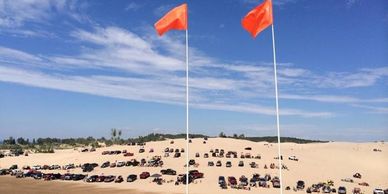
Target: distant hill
(49, 144)
(161, 137)
(274, 139)
(270, 139)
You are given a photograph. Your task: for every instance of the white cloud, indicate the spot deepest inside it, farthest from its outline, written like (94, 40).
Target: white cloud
(362, 78)
(149, 68)
(133, 6)
(12, 54)
(26, 18)
(161, 10)
(14, 13)
(351, 3)
(132, 89)
(333, 98)
(373, 109)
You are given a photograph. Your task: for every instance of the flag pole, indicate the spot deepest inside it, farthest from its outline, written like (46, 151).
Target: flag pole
(187, 111)
(277, 108)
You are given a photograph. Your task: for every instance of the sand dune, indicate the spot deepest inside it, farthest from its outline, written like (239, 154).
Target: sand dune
(318, 162)
(29, 186)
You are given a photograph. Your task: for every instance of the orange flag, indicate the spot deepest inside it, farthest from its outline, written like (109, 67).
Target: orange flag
(176, 19)
(258, 18)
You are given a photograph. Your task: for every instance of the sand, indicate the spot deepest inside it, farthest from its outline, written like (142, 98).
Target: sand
(30, 186)
(318, 162)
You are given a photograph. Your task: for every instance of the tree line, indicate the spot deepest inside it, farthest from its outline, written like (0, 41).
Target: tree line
(48, 144)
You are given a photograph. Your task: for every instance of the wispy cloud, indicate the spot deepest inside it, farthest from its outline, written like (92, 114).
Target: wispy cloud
(148, 68)
(161, 10)
(133, 89)
(133, 6)
(351, 3)
(362, 78)
(15, 16)
(383, 109)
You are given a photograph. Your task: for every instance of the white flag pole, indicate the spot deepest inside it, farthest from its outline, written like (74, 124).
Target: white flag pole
(187, 111)
(277, 108)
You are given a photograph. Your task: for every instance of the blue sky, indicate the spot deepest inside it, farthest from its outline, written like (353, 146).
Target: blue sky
(72, 68)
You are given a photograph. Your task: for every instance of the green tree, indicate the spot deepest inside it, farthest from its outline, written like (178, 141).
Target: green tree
(222, 134)
(10, 141)
(119, 134)
(113, 134)
(21, 141)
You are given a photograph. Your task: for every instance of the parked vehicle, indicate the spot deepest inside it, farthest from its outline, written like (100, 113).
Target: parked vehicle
(109, 179)
(92, 179)
(13, 167)
(168, 171)
(119, 179)
(262, 182)
(77, 177)
(232, 180)
(341, 190)
(378, 191)
(100, 179)
(87, 168)
(326, 189)
(294, 158)
(69, 166)
(300, 184)
(182, 178)
(128, 154)
(253, 165)
(105, 165)
(356, 190)
(54, 167)
(221, 180)
(191, 162)
(241, 164)
(67, 177)
(276, 182)
(210, 163)
(243, 181)
(120, 164)
(131, 178)
(144, 175)
(219, 164)
(228, 164)
(196, 174)
(348, 180)
(357, 175)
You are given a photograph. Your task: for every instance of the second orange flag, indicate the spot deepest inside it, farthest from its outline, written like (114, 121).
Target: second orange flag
(258, 18)
(176, 19)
